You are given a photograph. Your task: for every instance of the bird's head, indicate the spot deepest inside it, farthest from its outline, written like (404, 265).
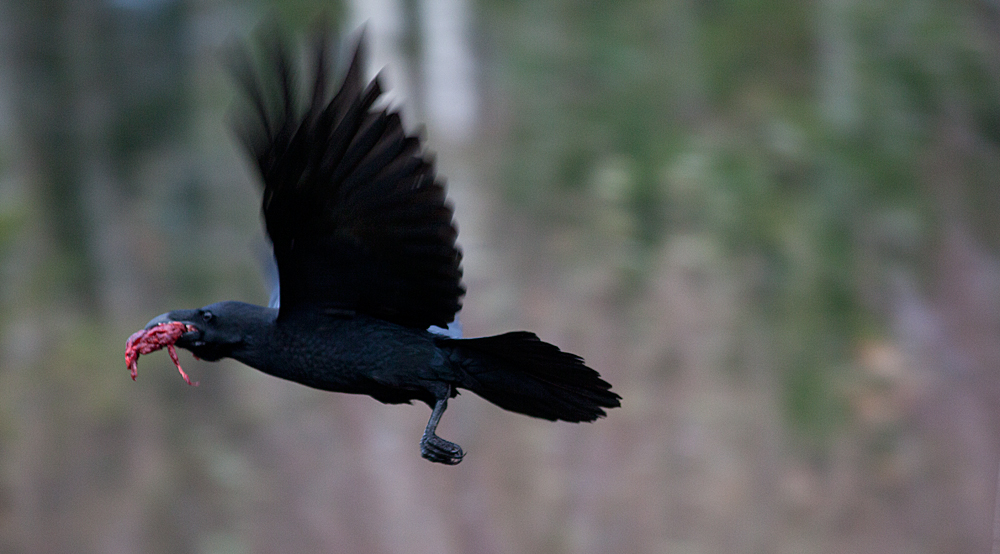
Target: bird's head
(217, 330)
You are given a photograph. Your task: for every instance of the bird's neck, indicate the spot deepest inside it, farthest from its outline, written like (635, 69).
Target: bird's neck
(254, 349)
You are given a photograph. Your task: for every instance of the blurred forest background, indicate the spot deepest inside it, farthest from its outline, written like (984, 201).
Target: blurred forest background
(771, 224)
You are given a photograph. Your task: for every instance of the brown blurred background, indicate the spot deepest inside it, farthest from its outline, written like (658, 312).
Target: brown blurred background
(771, 224)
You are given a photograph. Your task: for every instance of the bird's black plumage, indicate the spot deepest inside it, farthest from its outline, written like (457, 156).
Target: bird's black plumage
(351, 204)
(365, 247)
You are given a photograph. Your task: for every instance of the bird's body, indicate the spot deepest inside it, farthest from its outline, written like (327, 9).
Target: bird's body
(365, 248)
(354, 354)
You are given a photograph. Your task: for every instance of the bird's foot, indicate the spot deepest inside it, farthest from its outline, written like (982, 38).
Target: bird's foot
(436, 449)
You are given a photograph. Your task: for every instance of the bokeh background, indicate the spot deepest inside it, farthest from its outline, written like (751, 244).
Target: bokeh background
(771, 224)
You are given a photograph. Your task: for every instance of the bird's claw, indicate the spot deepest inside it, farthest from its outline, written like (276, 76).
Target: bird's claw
(436, 449)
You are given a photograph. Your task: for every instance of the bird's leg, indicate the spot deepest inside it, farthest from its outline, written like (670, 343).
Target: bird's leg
(433, 447)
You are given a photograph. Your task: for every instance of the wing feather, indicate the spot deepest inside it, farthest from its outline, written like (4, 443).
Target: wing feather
(352, 205)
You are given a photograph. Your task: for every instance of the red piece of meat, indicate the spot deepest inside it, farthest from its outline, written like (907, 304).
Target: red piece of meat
(153, 339)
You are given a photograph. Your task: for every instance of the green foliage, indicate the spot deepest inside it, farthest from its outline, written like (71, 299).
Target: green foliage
(589, 88)
(147, 82)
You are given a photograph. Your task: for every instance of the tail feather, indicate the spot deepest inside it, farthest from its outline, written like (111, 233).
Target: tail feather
(520, 373)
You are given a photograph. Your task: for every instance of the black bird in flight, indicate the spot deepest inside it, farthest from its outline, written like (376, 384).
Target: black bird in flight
(365, 249)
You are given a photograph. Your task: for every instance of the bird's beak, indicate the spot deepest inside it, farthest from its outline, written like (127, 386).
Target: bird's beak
(158, 320)
(181, 316)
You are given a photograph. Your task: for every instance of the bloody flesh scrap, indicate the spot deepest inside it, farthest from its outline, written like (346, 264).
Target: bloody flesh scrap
(153, 339)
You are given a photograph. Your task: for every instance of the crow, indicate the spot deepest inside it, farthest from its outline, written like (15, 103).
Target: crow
(365, 246)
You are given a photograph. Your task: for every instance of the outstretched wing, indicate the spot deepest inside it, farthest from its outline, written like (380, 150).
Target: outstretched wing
(355, 214)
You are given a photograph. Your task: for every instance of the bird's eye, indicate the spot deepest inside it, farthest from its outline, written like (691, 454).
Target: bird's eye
(207, 317)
